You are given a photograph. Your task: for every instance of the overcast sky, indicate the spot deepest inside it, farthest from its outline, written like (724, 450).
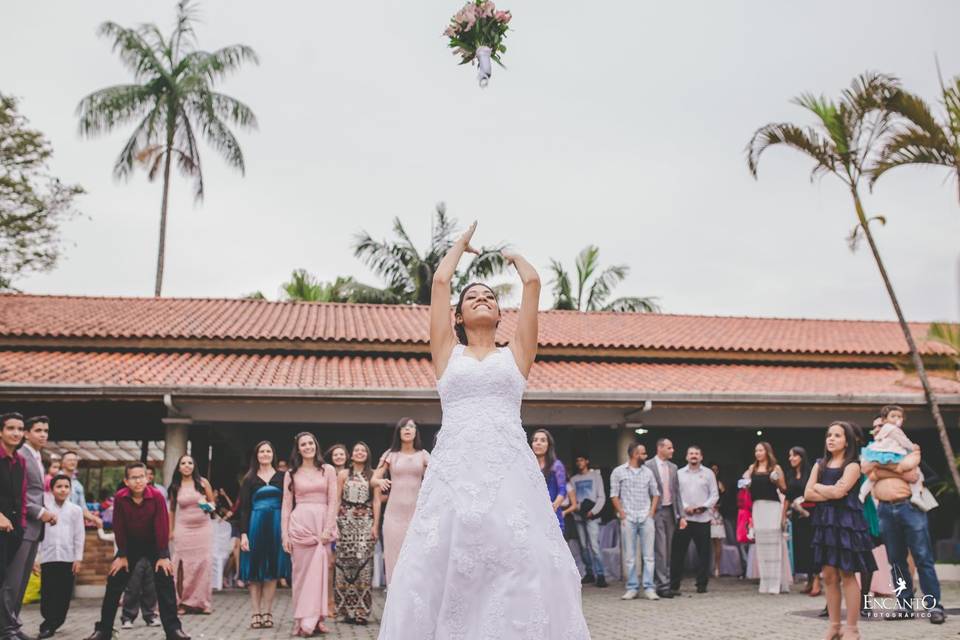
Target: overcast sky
(617, 123)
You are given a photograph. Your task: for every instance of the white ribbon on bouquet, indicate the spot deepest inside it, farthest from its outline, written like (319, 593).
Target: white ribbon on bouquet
(484, 65)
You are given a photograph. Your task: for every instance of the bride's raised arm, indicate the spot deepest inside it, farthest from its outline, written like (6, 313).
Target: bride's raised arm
(442, 338)
(524, 343)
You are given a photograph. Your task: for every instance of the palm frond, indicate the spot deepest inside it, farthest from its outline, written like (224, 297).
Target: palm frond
(562, 294)
(302, 286)
(586, 264)
(603, 285)
(217, 65)
(184, 35)
(134, 52)
(232, 110)
(807, 141)
(947, 334)
(107, 108)
(142, 138)
(912, 146)
(389, 261)
(634, 305)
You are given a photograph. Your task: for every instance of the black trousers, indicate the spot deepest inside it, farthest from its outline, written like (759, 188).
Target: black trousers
(141, 593)
(56, 588)
(166, 595)
(9, 543)
(699, 532)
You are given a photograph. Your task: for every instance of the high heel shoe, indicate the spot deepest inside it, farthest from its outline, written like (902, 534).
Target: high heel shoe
(833, 632)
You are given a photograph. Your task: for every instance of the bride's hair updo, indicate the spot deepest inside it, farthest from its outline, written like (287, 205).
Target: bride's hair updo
(458, 327)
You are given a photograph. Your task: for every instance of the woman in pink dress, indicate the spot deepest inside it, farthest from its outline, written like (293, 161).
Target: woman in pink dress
(337, 455)
(191, 537)
(308, 525)
(406, 461)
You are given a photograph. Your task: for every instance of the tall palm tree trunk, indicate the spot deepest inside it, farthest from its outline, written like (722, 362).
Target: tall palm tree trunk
(163, 217)
(911, 344)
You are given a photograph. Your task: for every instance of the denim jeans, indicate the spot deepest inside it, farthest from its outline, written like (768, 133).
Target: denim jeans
(645, 532)
(902, 527)
(588, 533)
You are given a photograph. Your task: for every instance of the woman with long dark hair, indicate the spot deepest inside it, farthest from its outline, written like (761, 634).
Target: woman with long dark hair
(483, 497)
(336, 456)
(799, 511)
(357, 538)
(406, 461)
(308, 525)
(842, 546)
(262, 558)
(766, 480)
(191, 532)
(555, 474)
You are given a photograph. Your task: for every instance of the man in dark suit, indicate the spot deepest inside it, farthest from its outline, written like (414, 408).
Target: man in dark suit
(18, 573)
(669, 513)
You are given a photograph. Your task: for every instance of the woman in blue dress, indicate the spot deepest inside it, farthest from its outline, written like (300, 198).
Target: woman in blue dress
(262, 558)
(842, 546)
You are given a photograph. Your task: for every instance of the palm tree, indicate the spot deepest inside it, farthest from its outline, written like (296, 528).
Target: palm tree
(306, 287)
(844, 144)
(595, 295)
(409, 273)
(947, 334)
(920, 138)
(173, 102)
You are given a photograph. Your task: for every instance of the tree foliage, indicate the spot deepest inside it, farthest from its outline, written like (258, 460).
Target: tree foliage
(33, 203)
(172, 103)
(594, 286)
(408, 271)
(920, 137)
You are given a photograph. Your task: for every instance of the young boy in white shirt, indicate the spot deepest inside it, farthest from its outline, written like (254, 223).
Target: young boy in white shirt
(61, 552)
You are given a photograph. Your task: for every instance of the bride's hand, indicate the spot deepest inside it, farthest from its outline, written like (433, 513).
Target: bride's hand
(509, 255)
(466, 237)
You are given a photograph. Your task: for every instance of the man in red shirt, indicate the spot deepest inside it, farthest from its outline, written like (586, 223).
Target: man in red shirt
(141, 528)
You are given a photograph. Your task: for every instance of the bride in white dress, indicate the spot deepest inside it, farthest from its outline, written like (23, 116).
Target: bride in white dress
(484, 557)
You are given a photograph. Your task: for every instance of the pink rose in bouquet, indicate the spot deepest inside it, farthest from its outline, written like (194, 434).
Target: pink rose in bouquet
(476, 32)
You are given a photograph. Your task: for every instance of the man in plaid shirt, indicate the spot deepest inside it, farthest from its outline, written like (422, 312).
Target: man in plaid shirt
(634, 493)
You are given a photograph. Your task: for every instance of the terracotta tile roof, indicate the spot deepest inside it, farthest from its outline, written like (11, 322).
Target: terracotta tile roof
(223, 319)
(217, 371)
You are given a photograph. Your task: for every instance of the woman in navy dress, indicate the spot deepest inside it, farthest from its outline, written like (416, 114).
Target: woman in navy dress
(842, 545)
(262, 558)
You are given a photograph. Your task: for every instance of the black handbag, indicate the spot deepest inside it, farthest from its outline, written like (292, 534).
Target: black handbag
(585, 507)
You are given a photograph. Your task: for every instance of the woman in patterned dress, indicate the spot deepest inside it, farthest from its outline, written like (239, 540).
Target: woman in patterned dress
(355, 540)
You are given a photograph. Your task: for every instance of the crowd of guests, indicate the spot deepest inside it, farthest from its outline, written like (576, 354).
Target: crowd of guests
(313, 523)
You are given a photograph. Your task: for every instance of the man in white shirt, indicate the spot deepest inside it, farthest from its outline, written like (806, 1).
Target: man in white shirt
(699, 493)
(61, 553)
(634, 494)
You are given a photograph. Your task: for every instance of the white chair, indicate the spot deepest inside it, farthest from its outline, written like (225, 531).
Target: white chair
(610, 549)
(222, 547)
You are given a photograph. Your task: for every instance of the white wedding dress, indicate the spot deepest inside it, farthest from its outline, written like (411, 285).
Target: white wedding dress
(484, 558)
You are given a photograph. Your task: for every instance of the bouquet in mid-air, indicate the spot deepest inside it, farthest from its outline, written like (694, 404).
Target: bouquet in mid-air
(476, 32)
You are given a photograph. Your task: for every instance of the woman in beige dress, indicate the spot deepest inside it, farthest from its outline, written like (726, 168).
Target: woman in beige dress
(406, 461)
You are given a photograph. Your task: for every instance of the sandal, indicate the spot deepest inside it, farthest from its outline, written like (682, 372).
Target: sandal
(256, 621)
(267, 622)
(321, 628)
